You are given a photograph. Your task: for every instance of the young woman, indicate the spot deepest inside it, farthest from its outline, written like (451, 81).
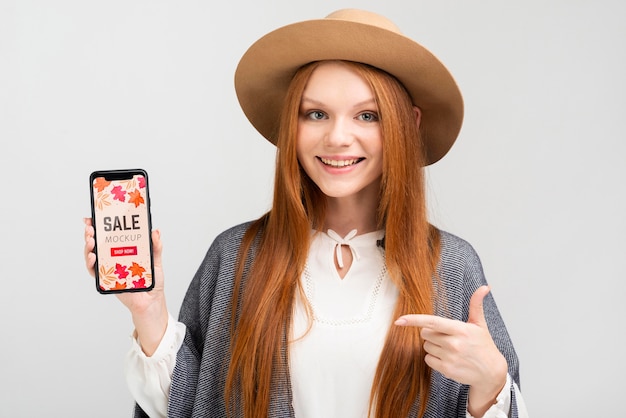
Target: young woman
(342, 300)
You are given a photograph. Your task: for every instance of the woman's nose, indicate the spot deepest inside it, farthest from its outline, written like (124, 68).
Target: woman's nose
(339, 133)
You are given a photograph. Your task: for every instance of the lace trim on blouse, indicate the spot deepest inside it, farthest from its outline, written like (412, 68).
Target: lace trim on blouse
(373, 292)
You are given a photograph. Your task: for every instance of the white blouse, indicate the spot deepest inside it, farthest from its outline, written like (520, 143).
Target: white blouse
(332, 365)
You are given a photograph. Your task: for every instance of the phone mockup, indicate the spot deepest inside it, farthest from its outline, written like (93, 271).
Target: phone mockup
(120, 213)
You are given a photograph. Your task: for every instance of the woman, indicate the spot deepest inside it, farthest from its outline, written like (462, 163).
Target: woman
(342, 300)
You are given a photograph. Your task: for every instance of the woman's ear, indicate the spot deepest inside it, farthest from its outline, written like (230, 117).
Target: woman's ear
(418, 115)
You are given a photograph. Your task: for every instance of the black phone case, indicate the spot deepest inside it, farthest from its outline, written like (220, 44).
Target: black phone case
(120, 213)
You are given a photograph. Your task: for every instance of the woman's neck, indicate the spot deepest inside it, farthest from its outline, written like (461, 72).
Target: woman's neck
(345, 214)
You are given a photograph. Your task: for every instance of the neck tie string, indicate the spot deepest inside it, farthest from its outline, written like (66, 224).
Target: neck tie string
(343, 241)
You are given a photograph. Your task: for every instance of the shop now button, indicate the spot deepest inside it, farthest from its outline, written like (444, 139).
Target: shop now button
(122, 251)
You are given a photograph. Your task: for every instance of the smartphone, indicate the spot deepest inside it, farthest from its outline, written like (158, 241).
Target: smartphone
(120, 213)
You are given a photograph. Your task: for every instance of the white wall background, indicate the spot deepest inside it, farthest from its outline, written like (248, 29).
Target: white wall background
(535, 181)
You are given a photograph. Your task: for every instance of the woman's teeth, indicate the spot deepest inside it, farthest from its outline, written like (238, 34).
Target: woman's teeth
(340, 163)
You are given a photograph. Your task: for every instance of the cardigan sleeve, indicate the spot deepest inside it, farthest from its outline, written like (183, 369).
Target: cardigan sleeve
(168, 384)
(184, 364)
(206, 313)
(149, 378)
(460, 275)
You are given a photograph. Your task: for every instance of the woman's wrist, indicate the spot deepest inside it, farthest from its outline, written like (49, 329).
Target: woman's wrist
(150, 326)
(480, 399)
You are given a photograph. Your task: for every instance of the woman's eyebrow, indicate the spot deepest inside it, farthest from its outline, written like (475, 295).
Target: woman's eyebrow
(319, 103)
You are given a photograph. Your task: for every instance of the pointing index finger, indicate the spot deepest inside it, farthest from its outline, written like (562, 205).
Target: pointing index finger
(436, 323)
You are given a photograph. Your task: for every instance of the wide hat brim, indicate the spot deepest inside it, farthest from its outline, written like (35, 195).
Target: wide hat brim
(267, 67)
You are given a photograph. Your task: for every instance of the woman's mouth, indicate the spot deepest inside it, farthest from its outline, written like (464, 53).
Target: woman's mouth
(340, 163)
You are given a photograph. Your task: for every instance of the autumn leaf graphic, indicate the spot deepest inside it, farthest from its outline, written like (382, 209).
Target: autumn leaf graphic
(118, 193)
(135, 197)
(136, 270)
(128, 184)
(142, 182)
(141, 283)
(121, 271)
(106, 276)
(101, 200)
(119, 286)
(100, 183)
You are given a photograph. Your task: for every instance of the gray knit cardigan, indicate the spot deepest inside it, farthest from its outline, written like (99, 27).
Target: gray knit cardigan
(199, 375)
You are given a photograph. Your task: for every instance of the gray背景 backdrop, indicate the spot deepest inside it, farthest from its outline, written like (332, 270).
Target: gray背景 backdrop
(534, 182)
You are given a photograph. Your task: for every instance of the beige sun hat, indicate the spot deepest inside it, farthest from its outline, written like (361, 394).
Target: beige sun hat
(267, 67)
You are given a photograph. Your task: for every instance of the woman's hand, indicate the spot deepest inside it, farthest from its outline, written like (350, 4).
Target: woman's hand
(148, 309)
(464, 352)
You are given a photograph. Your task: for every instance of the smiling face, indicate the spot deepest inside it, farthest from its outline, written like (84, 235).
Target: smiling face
(339, 142)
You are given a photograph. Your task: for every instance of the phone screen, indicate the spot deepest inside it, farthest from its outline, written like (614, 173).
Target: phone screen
(120, 210)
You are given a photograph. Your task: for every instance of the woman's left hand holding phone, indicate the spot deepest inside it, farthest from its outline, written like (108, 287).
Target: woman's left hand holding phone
(148, 309)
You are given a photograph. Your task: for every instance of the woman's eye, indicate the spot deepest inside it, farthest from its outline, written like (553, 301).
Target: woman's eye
(316, 115)
(368, 117)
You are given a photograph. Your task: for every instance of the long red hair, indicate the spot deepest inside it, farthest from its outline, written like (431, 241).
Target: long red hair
(263, 301)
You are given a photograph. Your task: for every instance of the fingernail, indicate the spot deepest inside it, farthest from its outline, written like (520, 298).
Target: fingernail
(400, 321)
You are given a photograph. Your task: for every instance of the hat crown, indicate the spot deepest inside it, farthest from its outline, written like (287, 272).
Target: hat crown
(364, 17)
